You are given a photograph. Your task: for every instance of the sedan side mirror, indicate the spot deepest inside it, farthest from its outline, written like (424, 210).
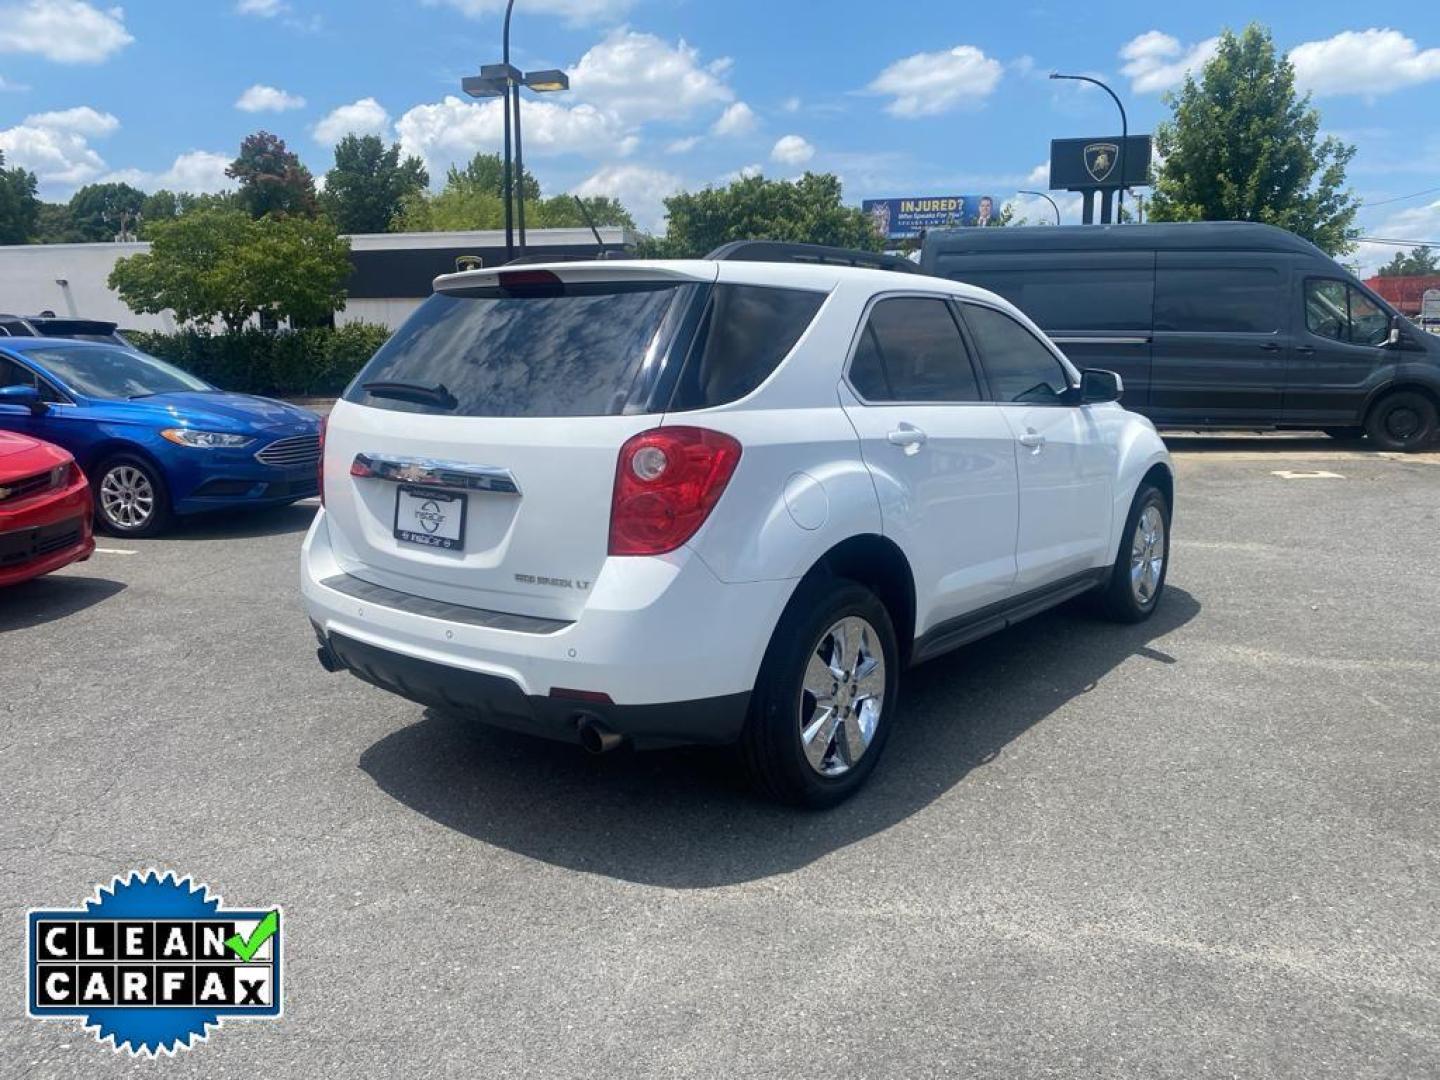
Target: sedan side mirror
(22, 394)
(1098, 386)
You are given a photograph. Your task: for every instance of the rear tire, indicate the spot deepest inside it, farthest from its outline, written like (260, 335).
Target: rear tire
(1137, 580)
(825, 698)
(1403, 421)
(131, 498)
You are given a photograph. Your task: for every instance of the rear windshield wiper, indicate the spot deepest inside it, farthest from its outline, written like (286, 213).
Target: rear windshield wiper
(416, 393)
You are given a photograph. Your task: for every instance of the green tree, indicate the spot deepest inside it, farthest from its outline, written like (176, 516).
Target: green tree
(218, 263)
(1244, 146)
(19, 206)
(54, 225)
(271, 178)
(365, 189)
(102, 212)
(1420, 261)
(807, 210)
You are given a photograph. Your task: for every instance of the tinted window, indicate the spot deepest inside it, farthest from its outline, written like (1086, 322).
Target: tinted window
(746, 332)
(1018, 366)
(911, 350)
(12, 374)
(573, 350)
(1342, 312)
(1075, 299)
(1218, 300)
(106, 372)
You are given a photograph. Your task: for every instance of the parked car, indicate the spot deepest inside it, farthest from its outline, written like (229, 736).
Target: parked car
(156, 441)
(1214, 324)
(710, 501)
(51, 325)
(45, 513)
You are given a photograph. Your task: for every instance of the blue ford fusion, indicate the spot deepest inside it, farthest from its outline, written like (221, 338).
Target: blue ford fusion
(155, 441)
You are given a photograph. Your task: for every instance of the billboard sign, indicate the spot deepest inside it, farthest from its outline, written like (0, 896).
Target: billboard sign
(906, 219)
(1081, 164)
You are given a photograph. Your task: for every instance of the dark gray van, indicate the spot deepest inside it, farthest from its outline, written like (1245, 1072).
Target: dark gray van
(1214, 324)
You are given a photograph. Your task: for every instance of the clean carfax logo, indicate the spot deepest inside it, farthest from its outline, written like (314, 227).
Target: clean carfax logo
(152, 962)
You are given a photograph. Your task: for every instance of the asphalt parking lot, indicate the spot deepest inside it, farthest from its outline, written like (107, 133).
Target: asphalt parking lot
(1205, 846)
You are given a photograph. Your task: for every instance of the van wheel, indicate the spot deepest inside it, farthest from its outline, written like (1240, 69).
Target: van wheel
(1137, 579)
(826, 696)
(1404, 421)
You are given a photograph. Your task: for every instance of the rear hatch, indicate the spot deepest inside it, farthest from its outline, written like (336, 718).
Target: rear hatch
(473, 459)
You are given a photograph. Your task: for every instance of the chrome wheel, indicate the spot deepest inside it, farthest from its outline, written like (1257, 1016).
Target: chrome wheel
(1147, 554)
(842, 696)
(127, 497)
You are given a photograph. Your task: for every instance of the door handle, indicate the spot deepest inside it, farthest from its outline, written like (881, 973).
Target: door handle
(1033, 439)
(908, 437)
(1305, 350)
(1271, 346)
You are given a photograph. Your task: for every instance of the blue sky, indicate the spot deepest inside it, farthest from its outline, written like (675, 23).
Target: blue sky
(926, 97)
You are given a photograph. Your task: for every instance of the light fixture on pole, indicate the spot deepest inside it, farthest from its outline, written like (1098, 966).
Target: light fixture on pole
(1124, 130)
(1047, 198)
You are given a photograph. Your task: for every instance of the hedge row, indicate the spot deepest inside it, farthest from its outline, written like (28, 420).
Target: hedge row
(286, 363)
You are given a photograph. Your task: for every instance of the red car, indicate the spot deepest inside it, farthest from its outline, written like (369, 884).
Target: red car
(45, 509)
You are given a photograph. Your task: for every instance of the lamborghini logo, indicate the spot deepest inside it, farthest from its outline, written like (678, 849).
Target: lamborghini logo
(1100, 160)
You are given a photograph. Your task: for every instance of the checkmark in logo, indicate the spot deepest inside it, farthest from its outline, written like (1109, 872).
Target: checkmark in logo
(245, 948)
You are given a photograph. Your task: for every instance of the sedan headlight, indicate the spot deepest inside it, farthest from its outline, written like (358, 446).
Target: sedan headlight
(206, 440)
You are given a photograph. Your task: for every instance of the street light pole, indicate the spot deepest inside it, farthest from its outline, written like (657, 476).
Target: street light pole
(505, 183)
(1124, 130)
(1047, 198)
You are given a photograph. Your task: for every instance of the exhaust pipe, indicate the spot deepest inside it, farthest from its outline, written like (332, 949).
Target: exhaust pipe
(595, 737)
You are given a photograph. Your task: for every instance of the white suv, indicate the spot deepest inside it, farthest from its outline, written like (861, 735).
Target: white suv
(717, 501)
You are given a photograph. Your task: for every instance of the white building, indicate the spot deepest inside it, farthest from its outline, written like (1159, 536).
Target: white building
(392, 274)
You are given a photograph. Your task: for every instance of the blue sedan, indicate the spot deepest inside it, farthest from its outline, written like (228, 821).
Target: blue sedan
(155, 441)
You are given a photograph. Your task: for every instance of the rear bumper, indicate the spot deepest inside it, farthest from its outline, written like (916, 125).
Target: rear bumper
(673, 650)
(498, 701)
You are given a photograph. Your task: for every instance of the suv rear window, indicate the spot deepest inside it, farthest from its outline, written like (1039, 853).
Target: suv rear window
(561, 351)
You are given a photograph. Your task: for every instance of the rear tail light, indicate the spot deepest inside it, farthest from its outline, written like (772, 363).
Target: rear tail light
(666, 483)
(320, 464)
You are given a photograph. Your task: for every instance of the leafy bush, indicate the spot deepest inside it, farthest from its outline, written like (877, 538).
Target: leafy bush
(316, 362)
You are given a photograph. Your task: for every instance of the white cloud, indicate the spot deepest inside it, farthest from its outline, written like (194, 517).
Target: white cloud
(364, 117)
(262, 98)
(642, 190)
(7, 87)
(639, 77)
(201, 172)
(1040, 174)
(1036, 211)
(81, 120)
(791, 104)
(59, 159)
(737, 119)
(745, 172)
(574, 11)
(792, 150)
(927, 84)
(683, 146)
(453, 131)
(66, 31)
(1156, 61)
(266, 9)
(1412, 223)
(1369, 62)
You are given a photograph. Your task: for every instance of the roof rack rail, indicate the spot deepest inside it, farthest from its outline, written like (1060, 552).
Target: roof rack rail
(782, 251)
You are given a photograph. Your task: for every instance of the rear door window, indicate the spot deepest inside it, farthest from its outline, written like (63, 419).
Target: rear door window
(544, 351)
(1234, 300)
(1020, 368)
(911, 350)
(745, 334)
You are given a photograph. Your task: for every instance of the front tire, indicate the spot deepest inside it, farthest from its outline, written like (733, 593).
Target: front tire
(1403, 421)
(1137, 580)
(826, 696)
(130, 497)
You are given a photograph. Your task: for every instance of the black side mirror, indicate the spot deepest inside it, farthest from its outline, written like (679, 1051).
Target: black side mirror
(1098, 386)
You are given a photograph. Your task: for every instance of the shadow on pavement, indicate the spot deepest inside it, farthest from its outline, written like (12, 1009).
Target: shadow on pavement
(1272, 443)
(50, 598)
(683, 818)
(241, 524)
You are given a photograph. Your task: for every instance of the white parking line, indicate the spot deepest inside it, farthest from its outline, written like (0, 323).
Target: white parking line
(114, 551)
(1287, 474)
